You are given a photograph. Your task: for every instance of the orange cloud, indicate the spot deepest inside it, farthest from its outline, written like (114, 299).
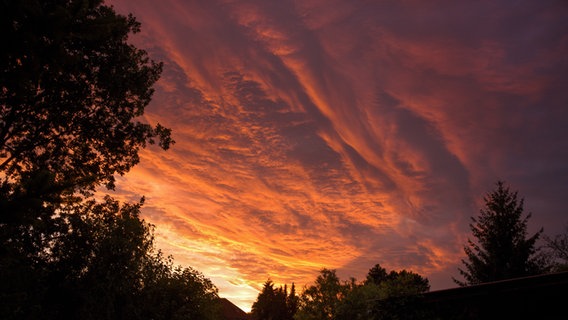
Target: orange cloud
(313, 134)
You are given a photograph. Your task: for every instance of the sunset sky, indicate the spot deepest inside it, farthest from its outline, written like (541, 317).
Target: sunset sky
(346, 133)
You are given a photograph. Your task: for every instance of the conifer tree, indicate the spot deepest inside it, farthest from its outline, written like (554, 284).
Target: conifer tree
(502, 250)
(274, 303)
(292, 302)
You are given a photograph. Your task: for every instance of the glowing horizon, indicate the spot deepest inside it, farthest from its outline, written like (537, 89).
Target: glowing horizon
(342, 134)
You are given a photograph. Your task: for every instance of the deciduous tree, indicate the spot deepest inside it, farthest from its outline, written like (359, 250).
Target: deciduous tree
(72, 96)
(384, 295)
(321, 300)
(557, 250)
(72, 92)
(100, 263)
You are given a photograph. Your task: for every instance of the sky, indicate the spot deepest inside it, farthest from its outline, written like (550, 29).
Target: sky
(340, 134)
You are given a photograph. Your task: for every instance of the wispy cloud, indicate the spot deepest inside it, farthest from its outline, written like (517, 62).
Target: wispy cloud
(342, 134)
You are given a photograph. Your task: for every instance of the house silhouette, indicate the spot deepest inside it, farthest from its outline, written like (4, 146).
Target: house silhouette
(535, 297)
(229, 311)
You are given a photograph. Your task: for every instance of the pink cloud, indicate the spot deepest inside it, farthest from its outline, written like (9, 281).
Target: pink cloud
(313, 134)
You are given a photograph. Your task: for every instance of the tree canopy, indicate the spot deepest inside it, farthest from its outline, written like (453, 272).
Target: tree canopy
(72, 98)
(321, 300)
(99, 262)
(275, 303)
(72, 91)
(397, 283)
(502, 250)
(383, 295)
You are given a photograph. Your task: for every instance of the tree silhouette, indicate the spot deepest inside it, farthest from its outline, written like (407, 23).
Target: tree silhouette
(384, 295)
(557, 250)
(321, 300)
(274, 303)
(71, 91)
(292, 302)
(502, 250)
(377, 275)
(99, 262)
(397, 283)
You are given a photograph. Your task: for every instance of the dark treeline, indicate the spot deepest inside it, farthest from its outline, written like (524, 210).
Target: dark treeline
(96, 260)
(382, 295)
(71, 90)
(502, 250)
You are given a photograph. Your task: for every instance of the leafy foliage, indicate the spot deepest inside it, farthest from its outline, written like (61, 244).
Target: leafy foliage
(321, 300)
(502, 250)
(100, 263)
(359, 302)
(397, 283)
(383, 295)
(178, 293)
(71, 89)
(72, 97)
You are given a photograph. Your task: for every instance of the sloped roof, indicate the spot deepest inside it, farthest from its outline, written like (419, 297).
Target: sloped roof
(230, 311)
(535, 297)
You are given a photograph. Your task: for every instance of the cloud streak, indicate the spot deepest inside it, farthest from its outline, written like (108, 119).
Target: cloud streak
(342, 134)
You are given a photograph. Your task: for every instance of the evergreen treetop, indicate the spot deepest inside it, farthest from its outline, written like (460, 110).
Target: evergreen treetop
(502, 250)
